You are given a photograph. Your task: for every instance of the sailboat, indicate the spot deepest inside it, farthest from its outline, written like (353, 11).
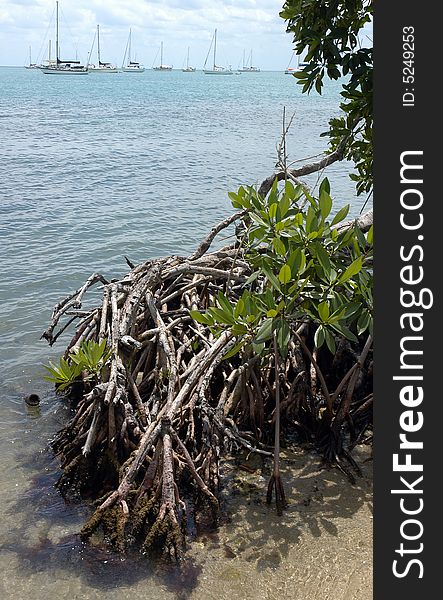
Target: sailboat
(188, 68)
(131, 66)
(300, 65)
(161, 66)
(49, 61)
(290, 70)
(62, 67)
(31, 64)
(101, 67)
(216, 70)
(248, 67)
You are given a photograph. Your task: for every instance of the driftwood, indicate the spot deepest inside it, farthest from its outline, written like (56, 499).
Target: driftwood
(146, 438)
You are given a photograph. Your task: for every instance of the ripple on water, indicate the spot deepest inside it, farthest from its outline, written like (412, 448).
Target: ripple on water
(92, 171)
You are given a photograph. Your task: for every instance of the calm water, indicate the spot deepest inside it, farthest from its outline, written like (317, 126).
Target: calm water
(91, 169)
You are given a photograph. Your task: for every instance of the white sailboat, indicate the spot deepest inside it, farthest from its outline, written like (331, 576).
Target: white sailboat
(49, 61)
(101, 67)
(300, 65)
(248, 67)
(31, 64)
(62, 67)
(161, 66)
(131, 66)
(216, 69)
(188, 68)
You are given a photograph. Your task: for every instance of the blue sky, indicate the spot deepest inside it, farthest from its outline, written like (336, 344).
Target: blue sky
(242, 25)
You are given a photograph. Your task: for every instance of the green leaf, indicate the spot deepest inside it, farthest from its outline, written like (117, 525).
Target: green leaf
(252, 278)
(352, 270)
(325, 186)
(201, 317)
(256, 233)
(284, 205)
(224, 303)
(285, 274)
(233, 351)
(370, 235)
(290, 190)
(319, 337)
(240, 309)
(237, 201)
(311, 220)
(298, 219)
(283, 335)
(363, 321)
(294, 261)
(271, 277)
(325, 202)
(258, 348)
(323, 311)
(272, 313)
(330, 342)
(351, 309)
(337, 315)
(239, 329)
(273, 211)
(221, 316)
(342, 214)
(273, 194)
(264, 332)
(323, 258)
(344, 331)
(278, 245)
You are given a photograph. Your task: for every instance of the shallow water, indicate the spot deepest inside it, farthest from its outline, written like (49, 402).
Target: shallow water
(321, 549)
(98, 167)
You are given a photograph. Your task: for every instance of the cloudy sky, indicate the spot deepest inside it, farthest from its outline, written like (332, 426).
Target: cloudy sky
(242, 25)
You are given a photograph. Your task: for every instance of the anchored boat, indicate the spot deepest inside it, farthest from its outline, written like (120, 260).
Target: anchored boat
(216, 69)
(101, 67)
(131, 66)
(62, 67)
(31, 64)
(248, 67)
(161, 66)
(188, 68)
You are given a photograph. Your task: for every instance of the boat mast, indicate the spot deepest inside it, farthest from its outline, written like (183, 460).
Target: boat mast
(98, 44)
(57, 50)
(30, 61)
(187, 60)
(129, 49)
(49, 51)
(161, 54)
(244, 64)
(215, 45)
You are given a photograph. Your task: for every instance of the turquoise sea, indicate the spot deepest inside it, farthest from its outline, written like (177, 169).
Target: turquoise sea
(92, 169)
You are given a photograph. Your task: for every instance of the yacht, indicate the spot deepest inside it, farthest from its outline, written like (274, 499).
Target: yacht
(59, 66)
(131, 66)
(216, 69)
(161, 66)
(100, 67)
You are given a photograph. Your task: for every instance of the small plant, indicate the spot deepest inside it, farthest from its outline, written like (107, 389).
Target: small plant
(305, 269)
(62, 375)
(90, 358)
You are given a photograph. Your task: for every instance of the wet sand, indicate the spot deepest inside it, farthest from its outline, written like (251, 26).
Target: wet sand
(320, 549)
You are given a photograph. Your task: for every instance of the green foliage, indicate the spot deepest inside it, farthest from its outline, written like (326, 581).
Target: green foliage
(62, 375)
(89, 358)
(327, 31)
(304, 269)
